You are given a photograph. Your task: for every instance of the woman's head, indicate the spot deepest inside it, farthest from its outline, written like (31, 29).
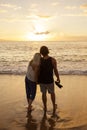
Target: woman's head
(36, 58)
(44, 50)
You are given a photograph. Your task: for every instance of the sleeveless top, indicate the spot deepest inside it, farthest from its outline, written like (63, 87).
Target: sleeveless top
(46, 71)
(30, 73)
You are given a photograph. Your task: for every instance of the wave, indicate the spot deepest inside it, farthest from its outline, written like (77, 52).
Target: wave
(71, 56)
(73, 72)
(68, 72)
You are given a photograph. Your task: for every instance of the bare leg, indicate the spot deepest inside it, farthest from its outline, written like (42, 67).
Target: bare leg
(29, 104)
(53, 102)
(44, 99)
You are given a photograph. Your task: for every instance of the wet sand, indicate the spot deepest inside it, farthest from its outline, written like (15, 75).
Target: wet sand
(71, 100)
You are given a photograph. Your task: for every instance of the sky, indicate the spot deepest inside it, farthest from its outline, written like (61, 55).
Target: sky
(43, 20)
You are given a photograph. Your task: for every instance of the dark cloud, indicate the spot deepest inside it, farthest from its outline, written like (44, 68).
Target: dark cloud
(44, 16)
(41, 33)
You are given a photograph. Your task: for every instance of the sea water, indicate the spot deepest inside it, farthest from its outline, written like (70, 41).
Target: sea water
(71, 56)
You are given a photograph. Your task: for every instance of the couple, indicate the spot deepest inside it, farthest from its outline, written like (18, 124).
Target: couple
(40, 70)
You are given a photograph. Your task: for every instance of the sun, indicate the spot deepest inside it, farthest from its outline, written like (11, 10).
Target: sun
(38, 34)
(34, 37)
(39, 27)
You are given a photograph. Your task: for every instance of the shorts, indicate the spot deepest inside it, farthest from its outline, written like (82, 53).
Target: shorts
(30, 89)
(47, 87)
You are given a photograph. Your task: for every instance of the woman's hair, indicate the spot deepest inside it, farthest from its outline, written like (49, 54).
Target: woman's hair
(36, 58)
(44, 50)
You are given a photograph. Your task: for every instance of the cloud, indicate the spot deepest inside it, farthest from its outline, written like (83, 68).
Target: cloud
(44, 16)
(10, 6)
(13, 19)
(83, 6)
(54, 3)
(76, 38)
(7, 5)
(41, 33)
(3, 11)
(75, 15)
(70, 7)
(33, 17)
(34, 5)
(85, 11)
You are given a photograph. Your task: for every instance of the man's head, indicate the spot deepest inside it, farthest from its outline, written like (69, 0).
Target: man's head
(44, 50)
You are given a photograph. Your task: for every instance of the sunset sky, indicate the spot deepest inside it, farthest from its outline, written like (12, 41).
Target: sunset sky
(43, 20)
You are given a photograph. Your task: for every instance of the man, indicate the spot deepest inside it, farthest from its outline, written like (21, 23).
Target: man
(48, 65)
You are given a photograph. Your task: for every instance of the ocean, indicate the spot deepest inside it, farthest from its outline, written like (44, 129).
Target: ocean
(71, 113)
(71, 56)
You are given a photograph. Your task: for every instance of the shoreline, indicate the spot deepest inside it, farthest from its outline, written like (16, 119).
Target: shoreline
(23, 74)
(71, 101)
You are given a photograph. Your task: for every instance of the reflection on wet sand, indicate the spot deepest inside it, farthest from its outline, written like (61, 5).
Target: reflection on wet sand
(71, 101)
(46, 122)
(44, 125)
(31, 122)
(49, 122)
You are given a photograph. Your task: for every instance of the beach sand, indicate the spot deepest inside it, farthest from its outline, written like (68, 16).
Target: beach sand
(71, 102)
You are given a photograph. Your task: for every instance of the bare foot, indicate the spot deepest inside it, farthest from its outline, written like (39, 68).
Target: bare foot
(30, 108)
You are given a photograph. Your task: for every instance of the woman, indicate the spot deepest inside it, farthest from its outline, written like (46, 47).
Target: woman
(31, 79)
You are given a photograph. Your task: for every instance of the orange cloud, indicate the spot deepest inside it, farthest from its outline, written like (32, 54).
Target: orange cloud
(83, 6)
(44, 16)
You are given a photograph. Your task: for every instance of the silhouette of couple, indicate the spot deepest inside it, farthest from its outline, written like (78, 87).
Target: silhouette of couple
(40, 71)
